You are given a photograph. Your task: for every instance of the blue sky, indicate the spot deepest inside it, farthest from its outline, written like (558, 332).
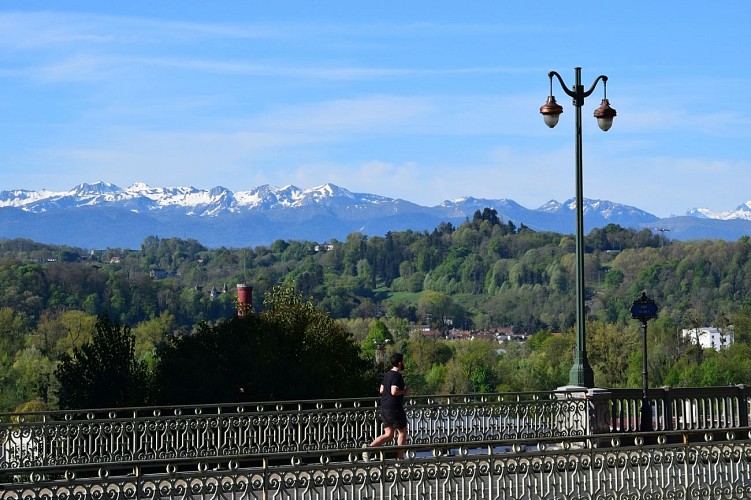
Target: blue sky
(420, 100)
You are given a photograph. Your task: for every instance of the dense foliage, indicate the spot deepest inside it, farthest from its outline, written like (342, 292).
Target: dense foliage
(102, 373)
(289, 351)
(483, 275)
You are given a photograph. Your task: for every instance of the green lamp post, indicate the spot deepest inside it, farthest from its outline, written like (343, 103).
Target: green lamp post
(581, 373)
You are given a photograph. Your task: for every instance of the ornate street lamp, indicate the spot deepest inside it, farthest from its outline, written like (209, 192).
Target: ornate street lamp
(581, 373)
(644, 309)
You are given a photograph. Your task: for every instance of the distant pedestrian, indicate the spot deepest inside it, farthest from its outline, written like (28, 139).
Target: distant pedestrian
(393, 416)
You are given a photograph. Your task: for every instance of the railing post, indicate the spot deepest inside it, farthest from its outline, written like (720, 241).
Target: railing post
(573, 412)
(592, 417)
(742, 406)
(598, 409)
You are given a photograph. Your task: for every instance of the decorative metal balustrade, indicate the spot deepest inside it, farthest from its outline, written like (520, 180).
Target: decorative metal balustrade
(148, 434)
(145, 434)
(685, 464)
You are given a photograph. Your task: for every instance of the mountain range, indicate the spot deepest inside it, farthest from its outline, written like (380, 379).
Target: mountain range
(103, 215)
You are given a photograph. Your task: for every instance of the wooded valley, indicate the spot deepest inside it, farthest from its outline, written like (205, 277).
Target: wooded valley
(172, 296)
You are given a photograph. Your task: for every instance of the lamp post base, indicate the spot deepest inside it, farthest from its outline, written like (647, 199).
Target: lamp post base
(581, 374)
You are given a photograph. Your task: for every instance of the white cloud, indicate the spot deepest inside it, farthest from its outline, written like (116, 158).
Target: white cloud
(431, 107)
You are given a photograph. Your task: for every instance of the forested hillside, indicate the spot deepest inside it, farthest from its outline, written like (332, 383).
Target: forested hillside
(484, 274)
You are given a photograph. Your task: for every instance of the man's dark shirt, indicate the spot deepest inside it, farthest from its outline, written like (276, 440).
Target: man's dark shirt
(389, 402)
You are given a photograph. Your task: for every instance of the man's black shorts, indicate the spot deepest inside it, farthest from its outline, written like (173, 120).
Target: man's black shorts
(394, 418)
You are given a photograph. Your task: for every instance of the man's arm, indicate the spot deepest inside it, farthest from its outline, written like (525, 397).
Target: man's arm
(395, 391)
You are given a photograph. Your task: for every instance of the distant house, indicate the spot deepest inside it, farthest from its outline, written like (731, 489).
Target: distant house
(504, 334)
(709, 337)
(435, 334)
(458, 333)
(484, 334)
(427, 331)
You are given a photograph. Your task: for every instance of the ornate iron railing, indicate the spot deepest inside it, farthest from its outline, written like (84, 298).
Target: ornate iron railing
(688, 464)
(113, 435)
(147, 434)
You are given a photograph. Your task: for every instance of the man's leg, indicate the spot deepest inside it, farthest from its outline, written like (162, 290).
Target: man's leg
(400, 440)
(388, 435)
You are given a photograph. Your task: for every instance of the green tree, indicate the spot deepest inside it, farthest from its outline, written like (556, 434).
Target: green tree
(378, 333)
(476, 359)
(547, 366)
(609, 348)
(437, 305)
(326, 361)
(289, 351)
(104, 372)
(742, 325)
(59, 332)
(425, 359)
(33, 373)
(150, 333)
(12, 330)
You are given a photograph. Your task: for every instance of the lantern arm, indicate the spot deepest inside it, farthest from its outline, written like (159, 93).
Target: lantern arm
(563, 84)
(592, 88)
(578, 93)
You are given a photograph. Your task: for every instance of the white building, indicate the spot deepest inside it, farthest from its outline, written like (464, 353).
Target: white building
(709, 337)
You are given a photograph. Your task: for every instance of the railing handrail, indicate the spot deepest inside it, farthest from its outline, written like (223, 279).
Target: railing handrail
(707, 391)
(271, 406)
(289, 411)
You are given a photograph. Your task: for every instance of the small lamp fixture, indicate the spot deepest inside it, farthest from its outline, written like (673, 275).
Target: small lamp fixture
(605, 115)
(551, 111)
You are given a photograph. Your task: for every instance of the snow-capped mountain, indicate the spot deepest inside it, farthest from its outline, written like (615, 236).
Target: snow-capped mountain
(741, 212)
(141, 197)
(597, 213)
(104, 215)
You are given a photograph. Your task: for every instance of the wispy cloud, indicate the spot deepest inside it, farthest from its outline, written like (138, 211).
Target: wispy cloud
(423, 104)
